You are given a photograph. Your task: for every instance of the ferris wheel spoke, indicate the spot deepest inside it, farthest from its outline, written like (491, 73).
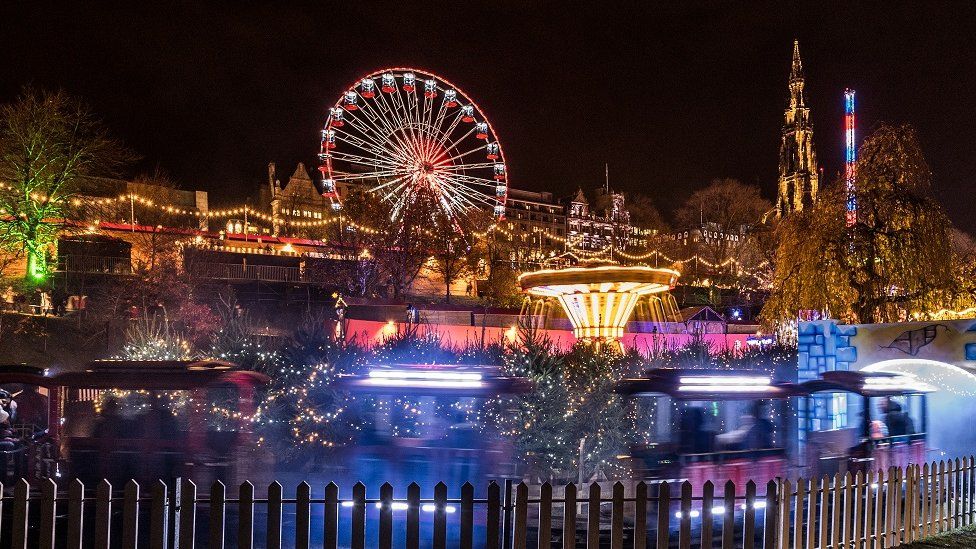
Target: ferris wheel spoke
(453, 145)
(370, 175)
(370, 138)
(363, 160)
(455, 167)
(461, 189)
(391, 127)
(452, 161)
(391, 182)
(470, 179)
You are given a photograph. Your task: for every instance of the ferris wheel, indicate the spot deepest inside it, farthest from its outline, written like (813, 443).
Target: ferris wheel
(411, 137)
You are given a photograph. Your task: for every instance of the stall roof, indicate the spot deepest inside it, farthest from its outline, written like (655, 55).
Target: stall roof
(707, 384)
(24, 374)
(870, 384)
(434, 380)
(158, 375)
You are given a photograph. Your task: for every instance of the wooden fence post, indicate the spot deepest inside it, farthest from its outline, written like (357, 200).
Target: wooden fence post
(273, 526)
(21, 510)
(569, 516)
(103, 515)
(811, 514)
(49, 492)
(218, 510)
(707, 520)
(728, 518)
(769, 517)
(799, 517)
(684, 524)
(640, 516)
(940, 500)
(593, 517)
(188, 514)
(330, 523)
(76, 514)
(493, 512)
(159, 516)
(784, 513)
(545, 516)
(130, 515)
(858, 510)
(507, 509)
(749, 517)
(440, 516)
(663, 515)
(848, 526)
(413, 515)
(386, 516)
(303, 515)
(868, 531)
(245, 516)
(467, 515)
(358, 535)
(521, 515)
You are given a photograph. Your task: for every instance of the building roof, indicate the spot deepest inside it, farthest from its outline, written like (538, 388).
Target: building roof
(700, 314)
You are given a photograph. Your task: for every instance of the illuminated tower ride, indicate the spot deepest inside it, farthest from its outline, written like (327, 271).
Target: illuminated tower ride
(851, 157)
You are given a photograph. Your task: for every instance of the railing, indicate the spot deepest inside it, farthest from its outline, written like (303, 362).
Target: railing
(94, 264)
(860, 511)
(236, 271)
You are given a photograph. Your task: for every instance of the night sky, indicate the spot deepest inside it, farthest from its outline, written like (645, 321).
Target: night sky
(669, 97)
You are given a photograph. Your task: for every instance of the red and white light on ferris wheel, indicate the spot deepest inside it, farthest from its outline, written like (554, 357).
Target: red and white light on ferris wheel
(402, 133)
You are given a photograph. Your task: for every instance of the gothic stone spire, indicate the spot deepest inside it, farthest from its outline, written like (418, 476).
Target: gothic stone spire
(798, 177)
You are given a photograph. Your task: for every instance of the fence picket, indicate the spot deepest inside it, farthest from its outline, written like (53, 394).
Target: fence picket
(245, 516)
(939, 500)
(858, 510)
(521, 515)
(593, 517)
(824, 525)
(708, 493)
(811, 514)
(836, 511)
(103, 515)
(330, 526)
(218, 512)
(440, 516)
(769, 517)
(76, 514)
(894, 501)
(783, 514)
(273, 534)
(933, 497)
(911, 503)
(924, 497)
(640, 516)
(569, 517)
(617, 517)
(848, 526)
(970, 486)
(728, 518)
(494, 512)
(358, 537)
(684, 525)
(130, 515)
(386, 516)
(545, 516)
(799, 515)
(467, 515)
(507, 508)
(879, 511)
(21, 511)
(749, 522)
(188, 515)
(159, 516)
(663, 515)
(964, 493)
(303, 515)
(413, 514)
(49, 491)
(956, 494)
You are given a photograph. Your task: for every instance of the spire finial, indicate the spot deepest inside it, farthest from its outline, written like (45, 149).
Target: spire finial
(797, 72)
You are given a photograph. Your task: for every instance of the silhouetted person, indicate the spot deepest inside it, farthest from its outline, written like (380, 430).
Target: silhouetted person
(899, 423)
(693, 438)
(760, 435)
(32, 407)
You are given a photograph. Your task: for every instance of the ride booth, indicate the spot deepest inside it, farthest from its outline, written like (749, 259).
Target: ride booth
(712, 425)
(862, 421)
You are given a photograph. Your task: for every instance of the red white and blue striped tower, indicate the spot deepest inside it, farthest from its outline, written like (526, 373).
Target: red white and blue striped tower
(851, 158)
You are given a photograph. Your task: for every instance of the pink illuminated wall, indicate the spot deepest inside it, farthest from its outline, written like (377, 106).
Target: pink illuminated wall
(371, 332)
